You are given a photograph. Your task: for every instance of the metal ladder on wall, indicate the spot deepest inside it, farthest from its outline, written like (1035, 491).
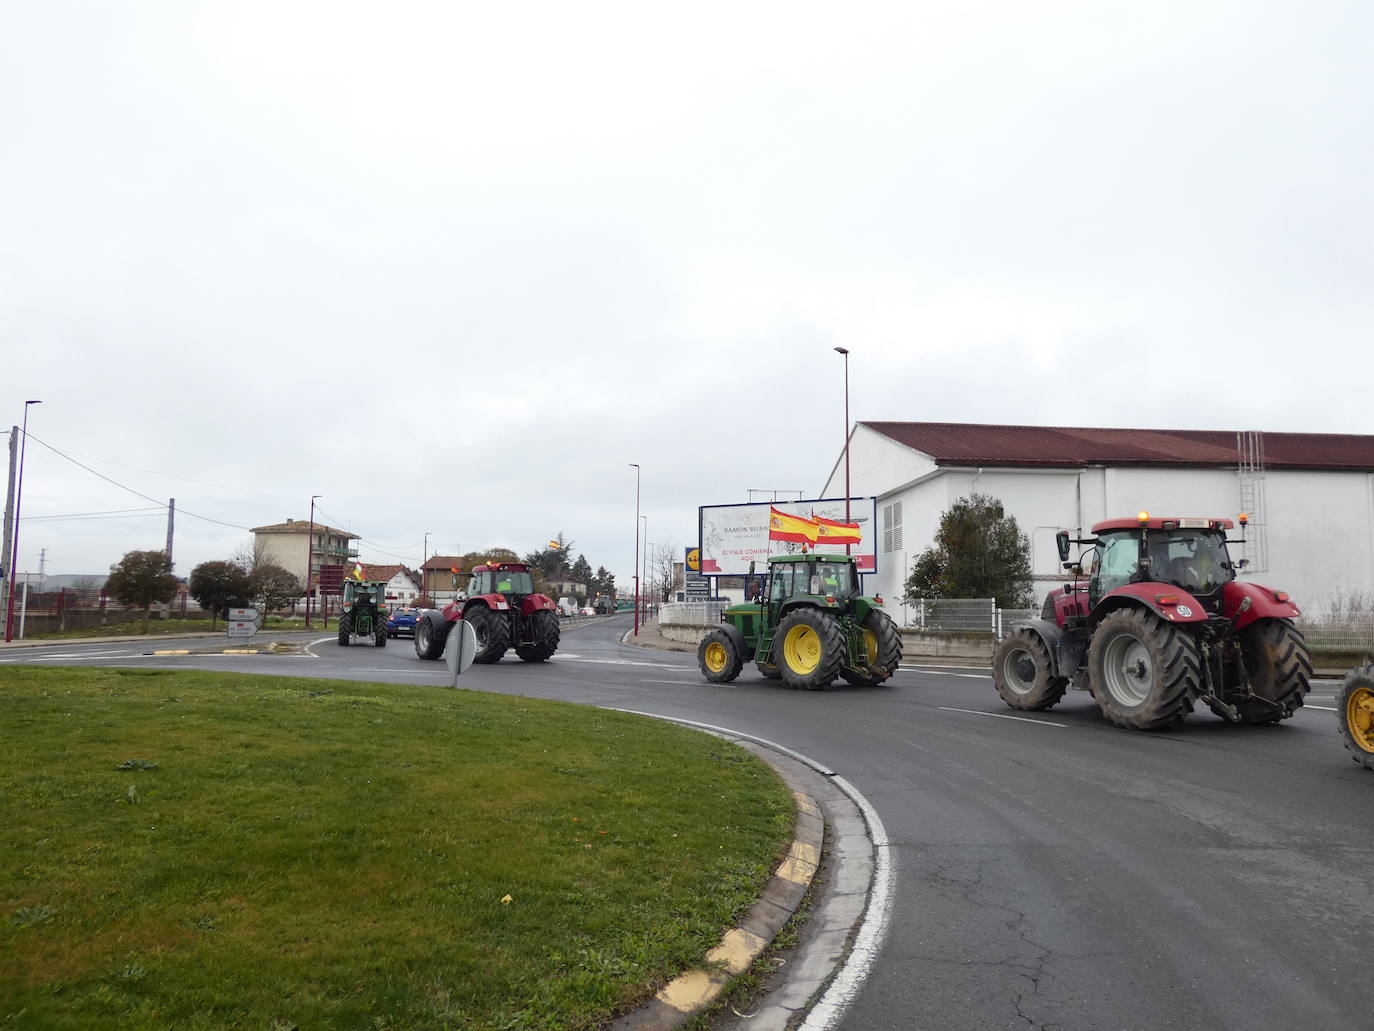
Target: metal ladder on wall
(1250, 476)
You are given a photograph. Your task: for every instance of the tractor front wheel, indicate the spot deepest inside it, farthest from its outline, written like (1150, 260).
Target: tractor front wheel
(1279, 667)
(1143, 672)
(1021, 673)
(543, 637)
(808, 647)
(429, 642)
(345, 627)
(1355, 710)
(718, 658)
(882, 650)
(492, 632)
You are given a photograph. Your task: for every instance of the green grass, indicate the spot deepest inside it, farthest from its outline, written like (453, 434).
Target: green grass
(201, 850)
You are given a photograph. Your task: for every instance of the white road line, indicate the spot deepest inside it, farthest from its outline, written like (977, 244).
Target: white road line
(1004, 716)
(946, 673)
(828, 1010)
(619, 662)
(646, 681)
(1323, 708)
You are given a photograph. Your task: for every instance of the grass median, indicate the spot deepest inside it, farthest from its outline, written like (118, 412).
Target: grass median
(204, 850)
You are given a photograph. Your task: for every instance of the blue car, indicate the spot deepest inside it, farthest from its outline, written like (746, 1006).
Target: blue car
(400, 621)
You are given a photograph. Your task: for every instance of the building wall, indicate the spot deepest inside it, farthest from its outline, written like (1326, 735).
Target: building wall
(1317, 528)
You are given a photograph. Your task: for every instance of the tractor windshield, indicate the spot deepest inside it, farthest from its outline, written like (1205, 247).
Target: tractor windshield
(501, 581)
(1195, 560)
(791, 579)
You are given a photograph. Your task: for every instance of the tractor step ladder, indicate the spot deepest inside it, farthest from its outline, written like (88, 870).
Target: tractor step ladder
(1250, 475)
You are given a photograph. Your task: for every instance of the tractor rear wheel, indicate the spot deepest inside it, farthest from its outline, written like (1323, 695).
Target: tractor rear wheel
(1279, 667)
(345, 627)
(429, 642)
(1143, 672)
(543, 637)
(1021, 673)
(771, 672)
(1355, 710)
(808, 647)
(718, 658)
(379, 636)
(492, 632)
(882, 650)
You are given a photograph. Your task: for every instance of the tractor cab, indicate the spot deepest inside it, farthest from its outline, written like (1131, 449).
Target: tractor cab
(509, 578)
(1188, 553)
(814, 577)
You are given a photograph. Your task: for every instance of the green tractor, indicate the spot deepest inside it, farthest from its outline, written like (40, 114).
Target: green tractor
(364, 612)
(807, 625)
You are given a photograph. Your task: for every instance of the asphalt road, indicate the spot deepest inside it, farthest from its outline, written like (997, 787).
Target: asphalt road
(1050, 871)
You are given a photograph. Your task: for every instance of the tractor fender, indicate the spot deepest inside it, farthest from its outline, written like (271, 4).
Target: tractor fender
(1186, 609)
(495, 602)
(536, 603)
(438, 621)
(450, 613)
(1243, 603)
(1065, 649)
(736, 636)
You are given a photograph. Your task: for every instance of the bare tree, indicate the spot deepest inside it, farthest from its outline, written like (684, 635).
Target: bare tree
(662, 575)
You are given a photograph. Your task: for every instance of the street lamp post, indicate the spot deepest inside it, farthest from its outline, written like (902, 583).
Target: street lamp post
(648, 580)
(424, 557)
(309, 561)
(14, 538)
(845, 351)
(636, 465)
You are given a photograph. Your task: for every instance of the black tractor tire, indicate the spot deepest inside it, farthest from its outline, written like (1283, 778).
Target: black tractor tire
(1279, 667)
(1143, 672)
(1355, 711)
(345, 627)
(544, 635)
(493, 633)
(1021, 673)
(809, 648)
(379, 639)
(718, 658)
(430, 638)
(882, 647)
(771, 672)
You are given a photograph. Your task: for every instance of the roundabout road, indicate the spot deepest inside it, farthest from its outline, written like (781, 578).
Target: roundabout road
(1050, 871)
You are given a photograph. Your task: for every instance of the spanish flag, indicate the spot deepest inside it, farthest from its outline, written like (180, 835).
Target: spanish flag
(797, 529)
(358, 571)
(832, 532)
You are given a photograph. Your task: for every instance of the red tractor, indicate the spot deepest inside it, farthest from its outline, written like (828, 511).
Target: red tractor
(505, 612)
(1160, 623)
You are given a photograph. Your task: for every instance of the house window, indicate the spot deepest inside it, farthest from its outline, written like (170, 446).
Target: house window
(892, 527)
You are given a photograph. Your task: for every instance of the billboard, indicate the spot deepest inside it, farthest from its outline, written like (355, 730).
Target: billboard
(732, 536)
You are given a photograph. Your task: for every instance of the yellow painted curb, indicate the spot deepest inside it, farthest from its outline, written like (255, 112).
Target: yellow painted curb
(240, 651)
(697, 989)
(174, 651)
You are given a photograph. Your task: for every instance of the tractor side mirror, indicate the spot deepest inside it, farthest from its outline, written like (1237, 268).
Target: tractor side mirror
(1061, 540)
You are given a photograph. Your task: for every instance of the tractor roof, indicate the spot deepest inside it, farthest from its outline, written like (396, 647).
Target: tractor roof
(1148, 522)
(495, 567)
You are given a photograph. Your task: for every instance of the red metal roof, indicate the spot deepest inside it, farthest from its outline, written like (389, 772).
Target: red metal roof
(953, 443)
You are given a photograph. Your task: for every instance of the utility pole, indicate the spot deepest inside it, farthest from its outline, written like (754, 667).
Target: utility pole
(9, 516)
(42, 569)
(171, 517)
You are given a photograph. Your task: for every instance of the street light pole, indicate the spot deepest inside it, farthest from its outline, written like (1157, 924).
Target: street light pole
(648, 580)
(424, 557)
(309, 560)
(845, 351)
(14, 546)
(636, 465)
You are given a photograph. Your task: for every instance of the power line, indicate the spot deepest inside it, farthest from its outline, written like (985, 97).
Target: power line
(136, 493)
(117, 513)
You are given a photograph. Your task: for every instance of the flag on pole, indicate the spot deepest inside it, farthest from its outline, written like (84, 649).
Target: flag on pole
(553, 545)
(833, 532)
(358, 571)
(785, 527)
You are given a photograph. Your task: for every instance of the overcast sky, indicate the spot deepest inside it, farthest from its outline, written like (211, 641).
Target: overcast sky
(454, 265)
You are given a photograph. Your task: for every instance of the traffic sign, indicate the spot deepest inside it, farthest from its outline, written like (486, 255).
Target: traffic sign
(460, 649)
(241, 628)
(244, 614)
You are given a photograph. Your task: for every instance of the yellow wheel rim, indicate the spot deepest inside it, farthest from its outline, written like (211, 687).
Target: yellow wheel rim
(1359, 717)
(716, 657)
(802, 650)
(871, 646)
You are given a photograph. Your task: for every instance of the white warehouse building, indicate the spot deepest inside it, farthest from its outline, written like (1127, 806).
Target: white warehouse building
(1309, 496)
